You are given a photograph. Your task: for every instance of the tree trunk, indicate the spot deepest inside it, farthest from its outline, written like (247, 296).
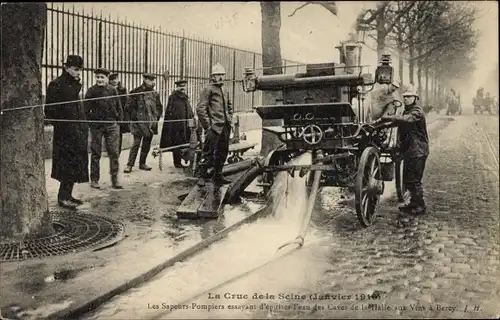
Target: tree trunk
(419, 81)
(427, 98)
(411, 64)
(271, 62)
(24, 195)
(401, 66)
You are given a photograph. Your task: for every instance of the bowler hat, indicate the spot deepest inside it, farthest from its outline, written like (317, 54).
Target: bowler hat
(113, 76)
(74, 61)
(148, 75)
(102, 71)
(180, 82)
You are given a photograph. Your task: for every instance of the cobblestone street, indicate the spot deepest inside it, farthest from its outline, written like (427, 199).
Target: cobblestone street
(444, 264)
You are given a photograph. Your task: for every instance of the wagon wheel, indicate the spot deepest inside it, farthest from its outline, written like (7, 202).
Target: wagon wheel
(401, 190)
(368, 188)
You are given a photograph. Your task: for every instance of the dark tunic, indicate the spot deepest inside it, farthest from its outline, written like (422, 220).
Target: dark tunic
(178, 108)
(70, 162)
(413, 137)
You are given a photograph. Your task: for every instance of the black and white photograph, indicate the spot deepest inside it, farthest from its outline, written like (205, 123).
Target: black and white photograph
(249, 160)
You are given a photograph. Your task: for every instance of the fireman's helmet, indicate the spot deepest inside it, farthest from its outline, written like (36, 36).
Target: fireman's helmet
(218, 69)
(410, 92)
(396, 84)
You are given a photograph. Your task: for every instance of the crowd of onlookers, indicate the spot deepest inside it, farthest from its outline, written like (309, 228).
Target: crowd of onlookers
(108, 111)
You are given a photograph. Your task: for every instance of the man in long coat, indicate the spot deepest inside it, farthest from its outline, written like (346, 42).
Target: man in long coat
(70, 162)
(177, 132)
(144, 106)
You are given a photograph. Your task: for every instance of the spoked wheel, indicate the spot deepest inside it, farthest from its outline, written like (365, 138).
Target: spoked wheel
(401, 190)
(368, 186)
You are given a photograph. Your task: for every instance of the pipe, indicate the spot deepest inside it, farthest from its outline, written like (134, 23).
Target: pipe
(277, 82)
(237, 167)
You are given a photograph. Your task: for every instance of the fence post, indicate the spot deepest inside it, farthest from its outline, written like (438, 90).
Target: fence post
(253, 92)
(210, 60)
(99, 48)
(234, 79)
(183, 53)
(146, 43)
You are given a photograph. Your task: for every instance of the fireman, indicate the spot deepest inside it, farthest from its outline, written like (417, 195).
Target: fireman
(215, 113)
(414, 147)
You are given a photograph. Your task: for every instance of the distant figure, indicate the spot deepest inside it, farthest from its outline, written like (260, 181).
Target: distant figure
(215, 113)
(70, 159)
(109, 111)
(114, 80)
(177, 133)
(144, 106)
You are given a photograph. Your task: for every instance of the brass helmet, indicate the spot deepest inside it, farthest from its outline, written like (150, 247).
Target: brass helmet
(218, 69)
(410, 92)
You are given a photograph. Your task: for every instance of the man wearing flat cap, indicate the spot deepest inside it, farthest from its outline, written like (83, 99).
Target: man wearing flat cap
(177, 132)
(143, 106)
(69, 151)
(114, 80)
(105, 110)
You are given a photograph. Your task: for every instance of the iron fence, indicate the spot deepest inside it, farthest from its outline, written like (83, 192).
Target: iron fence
(131, 49)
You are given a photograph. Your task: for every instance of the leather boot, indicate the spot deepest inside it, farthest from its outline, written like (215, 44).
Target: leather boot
(128, 169)
(67, 204)
(95, 185)
(219, 179)
(144, 167)
(78, 202)
(114, 183)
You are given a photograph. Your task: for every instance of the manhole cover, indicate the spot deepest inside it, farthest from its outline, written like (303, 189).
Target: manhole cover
(73, 232)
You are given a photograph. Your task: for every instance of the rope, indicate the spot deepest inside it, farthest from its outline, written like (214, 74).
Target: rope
(116, 121)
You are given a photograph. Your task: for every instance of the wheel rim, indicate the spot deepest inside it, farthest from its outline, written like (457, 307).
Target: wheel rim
(368, 189)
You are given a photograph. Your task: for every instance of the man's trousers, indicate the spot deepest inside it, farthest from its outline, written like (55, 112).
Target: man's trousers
(413, 172)
(111, 134)
(215, 151)
(146, 146)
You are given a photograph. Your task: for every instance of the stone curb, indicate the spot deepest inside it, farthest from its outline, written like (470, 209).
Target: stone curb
(79, 310)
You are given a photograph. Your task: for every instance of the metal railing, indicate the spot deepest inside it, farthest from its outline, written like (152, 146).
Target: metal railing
(131, 49)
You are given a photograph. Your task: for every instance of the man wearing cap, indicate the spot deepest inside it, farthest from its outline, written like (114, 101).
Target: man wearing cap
(414, 147)
(177, 132)
(143, 106)
(105, 111)
(70, 162)
(215, 113)
(114, 80)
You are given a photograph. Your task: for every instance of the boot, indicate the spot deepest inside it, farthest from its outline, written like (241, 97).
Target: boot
(144, 167)
(418, 210)
(128, 169)
(407, 207)
(114, 183)
(67, 204)
(76, 201)
(95, 185)
(219, 179)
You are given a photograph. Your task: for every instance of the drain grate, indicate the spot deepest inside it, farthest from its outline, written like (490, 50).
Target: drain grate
(73, 232)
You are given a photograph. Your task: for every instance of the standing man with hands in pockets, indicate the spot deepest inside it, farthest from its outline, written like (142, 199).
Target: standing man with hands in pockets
(144, 107)
(106, 112)
(215, 113)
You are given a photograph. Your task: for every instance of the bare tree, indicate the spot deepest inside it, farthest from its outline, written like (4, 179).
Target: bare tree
(24, 196)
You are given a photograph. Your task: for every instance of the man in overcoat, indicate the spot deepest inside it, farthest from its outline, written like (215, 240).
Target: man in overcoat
(177, 132)
(114, 80)
(70, 162)
(215, 113)
(143, 106)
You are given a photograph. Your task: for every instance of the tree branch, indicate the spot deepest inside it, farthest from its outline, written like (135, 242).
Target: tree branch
(298, 8)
